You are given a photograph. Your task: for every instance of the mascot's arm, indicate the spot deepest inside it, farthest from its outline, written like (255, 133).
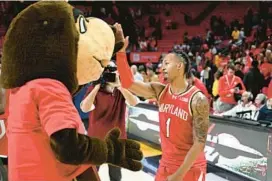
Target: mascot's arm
(61, 121)
(71, 147)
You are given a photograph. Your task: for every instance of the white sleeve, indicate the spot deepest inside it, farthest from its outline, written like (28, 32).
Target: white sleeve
(231, 112)
(91, 109)
(138, 101)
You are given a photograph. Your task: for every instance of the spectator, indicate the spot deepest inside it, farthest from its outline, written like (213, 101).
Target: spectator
(235, 35)
(198, 58)
(269, 90)
(143, 73)
(238, 70)
(260, 101)
(266, 70)
(265, 112)
(138, 13)
(229, 87)
(143, 45)
(176, 46)
(245, 109)
(185, 38)
(213, 50)
(217, 76)
(209, 37)
(136, 74)
(205, 76)
(152, 45)
(107, 103)
(151, 76)
(192, 80)
(268, 52)
(217, 60)
(247, 61)
(242, 35)
(254, 80)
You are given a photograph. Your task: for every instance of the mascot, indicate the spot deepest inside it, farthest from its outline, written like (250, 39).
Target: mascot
(50, 48)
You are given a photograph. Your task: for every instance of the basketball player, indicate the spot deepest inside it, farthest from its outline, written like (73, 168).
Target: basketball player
(183, 114)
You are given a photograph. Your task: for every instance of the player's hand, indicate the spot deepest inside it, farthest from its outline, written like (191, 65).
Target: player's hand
(232, 90)
(119, 37)
(123, 49)
(174, 177)
(123, 152)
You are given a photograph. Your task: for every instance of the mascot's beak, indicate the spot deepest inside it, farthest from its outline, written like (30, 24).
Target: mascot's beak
(95, 47)
(103, 63)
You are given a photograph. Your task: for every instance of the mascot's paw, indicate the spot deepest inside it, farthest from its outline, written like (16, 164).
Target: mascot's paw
(123, 152)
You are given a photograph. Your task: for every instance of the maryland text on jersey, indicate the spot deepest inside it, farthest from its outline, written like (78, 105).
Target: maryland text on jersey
(174, 110)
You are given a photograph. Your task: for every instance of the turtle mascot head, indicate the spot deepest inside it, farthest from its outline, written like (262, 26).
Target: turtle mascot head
(54, 40)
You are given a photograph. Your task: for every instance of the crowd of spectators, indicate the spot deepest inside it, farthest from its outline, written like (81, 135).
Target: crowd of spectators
(233, 62)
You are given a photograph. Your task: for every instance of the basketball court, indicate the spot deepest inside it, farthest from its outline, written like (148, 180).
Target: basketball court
(142, 176)
(151, 157)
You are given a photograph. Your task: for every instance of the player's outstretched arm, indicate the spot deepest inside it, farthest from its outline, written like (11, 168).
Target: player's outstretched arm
(142, 89)
(200, 111)
(146, 90)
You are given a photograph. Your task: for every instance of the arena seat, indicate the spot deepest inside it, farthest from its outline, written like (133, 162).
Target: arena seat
(226, 10)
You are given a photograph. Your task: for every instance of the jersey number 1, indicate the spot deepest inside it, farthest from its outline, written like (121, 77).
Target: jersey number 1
(168, 127)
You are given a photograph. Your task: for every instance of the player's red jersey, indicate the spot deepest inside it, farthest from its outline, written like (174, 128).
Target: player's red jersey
(3, 129)
(176, 127)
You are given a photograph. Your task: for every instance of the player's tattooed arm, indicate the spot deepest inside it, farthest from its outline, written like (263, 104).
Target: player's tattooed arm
(200, 109)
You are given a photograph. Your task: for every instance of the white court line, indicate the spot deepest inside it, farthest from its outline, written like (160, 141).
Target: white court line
(142, 176)
(126, 175)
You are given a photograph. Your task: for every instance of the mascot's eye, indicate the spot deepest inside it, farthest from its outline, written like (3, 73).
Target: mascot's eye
(82, 25)
(45, 23)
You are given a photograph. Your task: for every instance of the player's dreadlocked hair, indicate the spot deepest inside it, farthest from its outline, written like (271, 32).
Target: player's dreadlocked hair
(185, 58)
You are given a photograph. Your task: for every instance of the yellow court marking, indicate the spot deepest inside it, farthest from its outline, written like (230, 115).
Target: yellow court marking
(149, 151)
